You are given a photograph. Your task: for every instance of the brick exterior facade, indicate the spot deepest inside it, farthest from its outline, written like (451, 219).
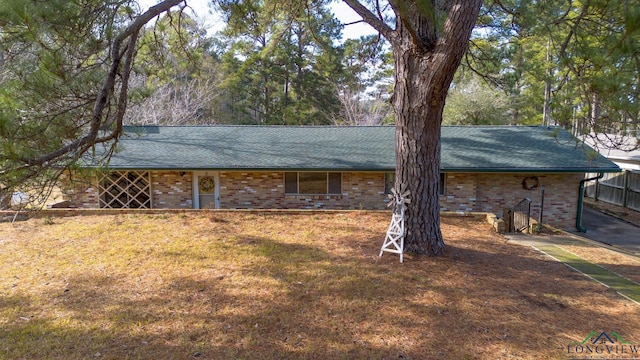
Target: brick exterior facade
(497, 191)
(171, 190)
(265, 190)
(459, 193)
(464, 192)
(80, 190)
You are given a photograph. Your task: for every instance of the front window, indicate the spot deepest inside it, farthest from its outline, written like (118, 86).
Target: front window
(313, 183)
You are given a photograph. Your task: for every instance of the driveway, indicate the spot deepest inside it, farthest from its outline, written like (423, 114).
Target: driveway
(610, 230)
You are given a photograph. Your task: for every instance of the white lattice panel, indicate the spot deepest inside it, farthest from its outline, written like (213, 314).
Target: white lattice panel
(125, 189)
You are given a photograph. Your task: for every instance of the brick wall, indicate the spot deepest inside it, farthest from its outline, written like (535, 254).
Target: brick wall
(265, 190)
(459, 193)
(251, 190)
(497, 191)
(168, 190)
(464, 192)
(171, 190)
(80, 189)
(366, 190)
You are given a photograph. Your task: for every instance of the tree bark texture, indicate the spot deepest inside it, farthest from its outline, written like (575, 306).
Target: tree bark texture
(424, 69)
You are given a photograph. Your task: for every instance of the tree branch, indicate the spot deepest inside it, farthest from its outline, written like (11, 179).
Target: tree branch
(102, 101)
(419, 19)
(460, 13)
(373, 20)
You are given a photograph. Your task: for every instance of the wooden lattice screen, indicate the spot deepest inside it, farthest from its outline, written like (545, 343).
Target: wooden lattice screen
(125, 189)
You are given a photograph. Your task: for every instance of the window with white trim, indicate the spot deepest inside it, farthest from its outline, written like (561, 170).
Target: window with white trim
(390, 179)
(313, 183)
(125, 190)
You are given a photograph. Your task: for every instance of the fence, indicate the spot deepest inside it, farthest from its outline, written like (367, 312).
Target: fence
(522, 215)
(622, 189)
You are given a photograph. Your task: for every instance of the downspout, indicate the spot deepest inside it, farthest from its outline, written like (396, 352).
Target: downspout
(580, 199)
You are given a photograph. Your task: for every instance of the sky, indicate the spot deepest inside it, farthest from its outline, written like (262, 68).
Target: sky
(213, 23)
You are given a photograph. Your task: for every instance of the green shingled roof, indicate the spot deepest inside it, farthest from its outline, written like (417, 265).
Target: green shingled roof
(365, 148)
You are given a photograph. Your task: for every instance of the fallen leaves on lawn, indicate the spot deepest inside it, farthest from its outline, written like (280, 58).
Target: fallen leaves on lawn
(233, 285)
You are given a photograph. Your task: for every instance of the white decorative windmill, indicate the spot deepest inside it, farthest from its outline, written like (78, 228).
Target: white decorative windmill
(394, 241)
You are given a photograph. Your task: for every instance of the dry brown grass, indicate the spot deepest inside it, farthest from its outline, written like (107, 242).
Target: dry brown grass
(280, 286)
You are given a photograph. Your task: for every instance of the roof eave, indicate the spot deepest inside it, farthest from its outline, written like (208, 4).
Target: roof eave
(243, 169)
(532, 170)
(369, 169)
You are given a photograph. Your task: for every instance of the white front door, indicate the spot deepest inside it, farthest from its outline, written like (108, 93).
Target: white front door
(206, 191)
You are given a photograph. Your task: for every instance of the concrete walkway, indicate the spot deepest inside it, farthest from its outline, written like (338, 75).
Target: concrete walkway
(548, 246)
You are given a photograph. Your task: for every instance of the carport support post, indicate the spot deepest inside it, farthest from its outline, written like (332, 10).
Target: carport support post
(580, 201)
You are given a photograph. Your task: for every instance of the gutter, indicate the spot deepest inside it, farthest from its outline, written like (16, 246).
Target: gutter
(580, 201)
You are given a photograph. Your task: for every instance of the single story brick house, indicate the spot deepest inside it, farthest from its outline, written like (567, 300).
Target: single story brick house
(484, 168)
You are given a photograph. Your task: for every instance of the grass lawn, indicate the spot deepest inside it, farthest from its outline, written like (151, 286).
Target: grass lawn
(618, 263)
(236, 285)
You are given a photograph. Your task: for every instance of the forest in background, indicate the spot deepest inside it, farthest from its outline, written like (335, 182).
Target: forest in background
(261, 68)
(74, 72)
(572, 64)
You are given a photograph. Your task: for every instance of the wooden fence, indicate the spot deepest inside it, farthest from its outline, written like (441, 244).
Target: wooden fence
(622, 189)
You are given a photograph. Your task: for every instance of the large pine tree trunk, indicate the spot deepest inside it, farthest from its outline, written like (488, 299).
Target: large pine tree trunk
(418, 109)
(423, 75)
(429, 40)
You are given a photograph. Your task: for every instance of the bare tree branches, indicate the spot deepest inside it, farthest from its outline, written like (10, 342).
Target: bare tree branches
(177, 103)
(356, 111)
(118, 52)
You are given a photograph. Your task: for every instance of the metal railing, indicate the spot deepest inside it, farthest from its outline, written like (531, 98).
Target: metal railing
(522, 215)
